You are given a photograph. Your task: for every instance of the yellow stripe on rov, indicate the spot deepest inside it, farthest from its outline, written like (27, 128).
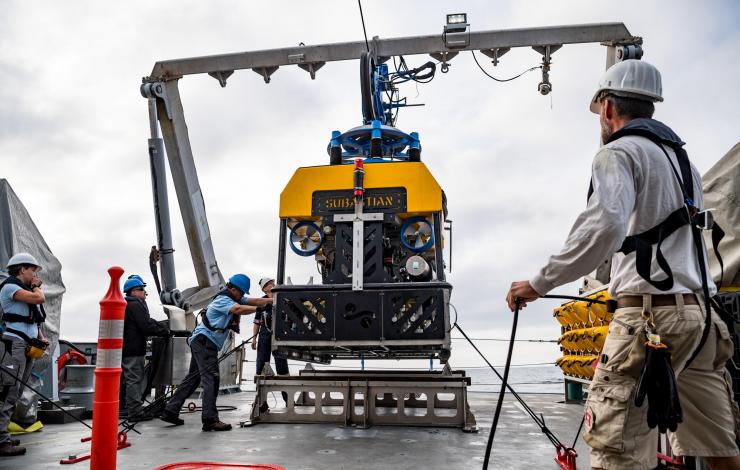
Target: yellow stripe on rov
(423, 193)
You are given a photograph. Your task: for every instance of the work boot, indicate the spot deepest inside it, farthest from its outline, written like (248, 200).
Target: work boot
(216, 426)
(8, 449)
(171, 418)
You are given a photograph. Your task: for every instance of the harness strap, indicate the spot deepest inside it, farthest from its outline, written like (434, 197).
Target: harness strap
(705, 290)
(36, 313)
(642, 245)
(207, 323)
(717, 236)
(20, 334)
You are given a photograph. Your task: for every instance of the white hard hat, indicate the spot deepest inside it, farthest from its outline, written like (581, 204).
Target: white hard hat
(632, 79)
(23, 258)
(265, 280)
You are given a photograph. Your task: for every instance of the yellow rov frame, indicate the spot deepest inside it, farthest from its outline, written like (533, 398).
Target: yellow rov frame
(423, 193)
(389, 315)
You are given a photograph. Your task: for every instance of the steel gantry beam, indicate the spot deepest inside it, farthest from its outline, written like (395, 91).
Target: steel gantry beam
(264, 62)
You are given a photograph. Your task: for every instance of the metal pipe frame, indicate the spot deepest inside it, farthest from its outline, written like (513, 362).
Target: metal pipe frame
(161, 201)
(187, 187)
(374, 399)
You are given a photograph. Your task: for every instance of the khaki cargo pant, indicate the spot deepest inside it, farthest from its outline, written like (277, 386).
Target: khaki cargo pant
(617, 431)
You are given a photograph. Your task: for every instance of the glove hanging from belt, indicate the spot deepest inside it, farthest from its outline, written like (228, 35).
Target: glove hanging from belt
(658, 382)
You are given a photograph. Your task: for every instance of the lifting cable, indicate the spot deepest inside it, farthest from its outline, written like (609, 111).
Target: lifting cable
(540, 420)
(364, 31)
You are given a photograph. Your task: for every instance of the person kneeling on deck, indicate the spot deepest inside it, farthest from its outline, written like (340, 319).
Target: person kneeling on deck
(262, 329)
(137, 326)
(663, 342)
(23, 314)
(206, 341)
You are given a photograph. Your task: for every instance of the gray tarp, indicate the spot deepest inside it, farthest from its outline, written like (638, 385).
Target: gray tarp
(19, 233)
(721, 185)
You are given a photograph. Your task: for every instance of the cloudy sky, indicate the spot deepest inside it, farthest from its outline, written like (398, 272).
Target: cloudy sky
(515, 165)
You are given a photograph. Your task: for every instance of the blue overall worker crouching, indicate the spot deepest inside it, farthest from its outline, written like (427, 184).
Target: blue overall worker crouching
(206, 341)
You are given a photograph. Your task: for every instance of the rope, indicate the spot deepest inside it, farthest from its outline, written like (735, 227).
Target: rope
(540, 420)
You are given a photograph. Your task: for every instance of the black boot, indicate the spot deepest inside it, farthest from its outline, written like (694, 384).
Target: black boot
(171, 418)
(9, 450)
(216, 426)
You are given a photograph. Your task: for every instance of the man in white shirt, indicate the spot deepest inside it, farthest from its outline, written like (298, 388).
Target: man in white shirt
(656, 274)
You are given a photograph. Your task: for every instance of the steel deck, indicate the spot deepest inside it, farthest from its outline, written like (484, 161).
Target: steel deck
(519, 442)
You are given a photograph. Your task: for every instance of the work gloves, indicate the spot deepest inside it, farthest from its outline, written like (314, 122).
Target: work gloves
(658, 382)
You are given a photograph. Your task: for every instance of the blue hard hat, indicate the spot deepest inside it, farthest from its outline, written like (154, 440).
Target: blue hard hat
(241, 282)
(132, 282)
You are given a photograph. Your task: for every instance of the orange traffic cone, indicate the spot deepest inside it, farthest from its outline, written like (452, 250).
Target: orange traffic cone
(107, 376)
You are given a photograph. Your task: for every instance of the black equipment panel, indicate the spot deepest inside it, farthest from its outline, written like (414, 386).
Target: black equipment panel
(370, 315)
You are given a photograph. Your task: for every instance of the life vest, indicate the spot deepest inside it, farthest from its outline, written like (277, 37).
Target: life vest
(688, 214)
(36, 313)
(233, 320)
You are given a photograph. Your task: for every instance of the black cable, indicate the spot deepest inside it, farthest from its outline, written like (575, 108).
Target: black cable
(538, 419)
(362, 17)
(526, 364)
(504, 385)
(550, 382)
(517, 340)
(7, 371)
(501, 394)
(575, 297)
(71, 346)
(578, 433)
(502, 80)
(186, 409)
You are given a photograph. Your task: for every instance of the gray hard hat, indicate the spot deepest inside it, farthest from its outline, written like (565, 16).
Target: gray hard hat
(23, 258)
(632, 79)
(266, 280)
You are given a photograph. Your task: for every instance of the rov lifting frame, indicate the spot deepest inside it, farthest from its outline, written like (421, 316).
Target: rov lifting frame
(166, 113)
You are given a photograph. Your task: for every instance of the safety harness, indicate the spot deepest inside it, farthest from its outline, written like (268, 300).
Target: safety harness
(233, 321)
(688, 214)
(36, 313)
